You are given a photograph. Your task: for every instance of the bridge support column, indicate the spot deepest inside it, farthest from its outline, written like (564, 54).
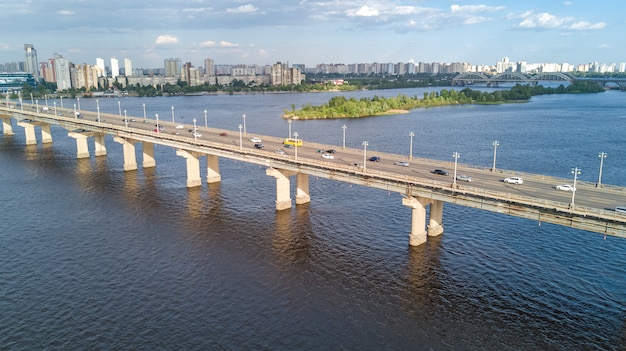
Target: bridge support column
(82, 150)
(302, 189)
(418, 219)
(7, 128)
(148, 154)
(193, 167)
(29, 131)
(46, 136)
(213, 169)
(100, 147)
(435, 224)
(283, 200)
(128, 147)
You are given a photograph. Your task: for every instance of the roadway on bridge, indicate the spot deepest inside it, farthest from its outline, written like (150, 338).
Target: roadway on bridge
(536, 186)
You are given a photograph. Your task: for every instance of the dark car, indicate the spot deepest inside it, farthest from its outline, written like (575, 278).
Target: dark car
(375, 159)
(258, 146)
(331, 151)
(441, 172)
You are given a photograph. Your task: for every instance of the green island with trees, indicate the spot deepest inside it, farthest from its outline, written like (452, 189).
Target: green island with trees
(341, 107)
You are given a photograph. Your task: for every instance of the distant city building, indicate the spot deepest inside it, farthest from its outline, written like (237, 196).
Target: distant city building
(172, 67)
(115, 68)
(209, 67)
(101, 68)
(15, 81)
(128, 67)
(62, 69)
(31, 63)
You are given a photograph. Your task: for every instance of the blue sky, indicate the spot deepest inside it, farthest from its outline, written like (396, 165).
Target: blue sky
(315, 31)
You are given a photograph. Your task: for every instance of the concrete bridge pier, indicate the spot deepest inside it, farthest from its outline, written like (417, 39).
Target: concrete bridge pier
(100, 147)
(213, 169)
(46, 136)
(417, 236)
(148, 154)
(435, 218)
(29, 131)
(82, 150)
(193, 167)
(128, 147)
(283, 199)
(302, 189)
(7, 128)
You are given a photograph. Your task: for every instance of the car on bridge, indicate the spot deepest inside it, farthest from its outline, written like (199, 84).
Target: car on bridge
(442, 172)
(565, 187)
(223, 134)
(464, 178)
(375, 159)
(401, 163)
(258, 146)
(256, 140)
(514, 180)
(279, 151)
(180, 126)
(328, 156)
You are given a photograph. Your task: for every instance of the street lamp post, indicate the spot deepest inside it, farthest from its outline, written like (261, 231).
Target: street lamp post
(75, 114)
(343, 146)
(78, 102)
(240, 138)
(31, 99)
(98, 110)
(195, 132)
(289, 122)
(495, 146)
(575, 172)
(157, 123)
(411, 135)
(295, 147)
(364, 156)
(125, 120)
(37, 101)
(173, 114)
(602, 156)
(456, 156)
(119, 108)
(61, 97)
(144, 112)
(244, 125)
(54, 103)
(45, 97)
(206, 121)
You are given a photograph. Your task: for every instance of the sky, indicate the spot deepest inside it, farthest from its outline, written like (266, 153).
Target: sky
(311, 32)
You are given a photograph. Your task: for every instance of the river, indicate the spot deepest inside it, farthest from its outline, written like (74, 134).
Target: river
(92, 257)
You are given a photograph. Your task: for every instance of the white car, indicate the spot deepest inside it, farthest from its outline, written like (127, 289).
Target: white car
(180, 126)
(280, 151)
(255, 140)
(514, 180)
(464, 178)
(328, 156)
(196, 135)
(401, 163)
(565, 187)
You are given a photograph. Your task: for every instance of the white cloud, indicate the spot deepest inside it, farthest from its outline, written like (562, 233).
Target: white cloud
(585, 25)
(474, 8)
(243, 9)
(226, 44)
(543, 20)
(65, 13)
(166, 39)
(207, 44)
(364, 11)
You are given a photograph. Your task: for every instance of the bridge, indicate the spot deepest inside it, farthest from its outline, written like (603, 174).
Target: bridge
(421, 189)
(476, 78)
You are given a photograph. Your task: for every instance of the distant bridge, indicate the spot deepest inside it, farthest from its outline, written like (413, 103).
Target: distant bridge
(527, 79)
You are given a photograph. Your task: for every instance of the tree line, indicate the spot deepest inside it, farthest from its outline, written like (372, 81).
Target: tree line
(342, 107)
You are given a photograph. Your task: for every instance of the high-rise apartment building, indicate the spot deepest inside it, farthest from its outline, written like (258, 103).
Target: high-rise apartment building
(62, 70)
(31, 63)
(128, 67)
(100, 66)
(209, 67)
(115, 67)
(172, 67)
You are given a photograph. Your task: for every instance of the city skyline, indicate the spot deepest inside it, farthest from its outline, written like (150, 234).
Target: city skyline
(313, 32)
